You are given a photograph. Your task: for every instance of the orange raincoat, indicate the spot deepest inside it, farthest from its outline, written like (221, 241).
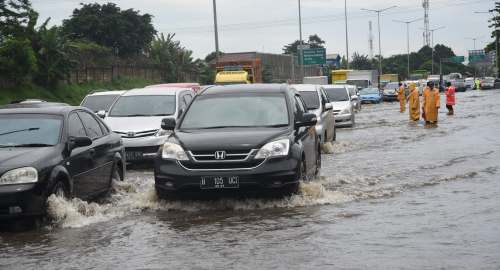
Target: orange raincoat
(414, 103)
(432, 102)
(402, 99)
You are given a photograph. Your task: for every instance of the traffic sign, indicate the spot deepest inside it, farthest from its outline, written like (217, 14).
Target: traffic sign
(314, 56)
(457, 59)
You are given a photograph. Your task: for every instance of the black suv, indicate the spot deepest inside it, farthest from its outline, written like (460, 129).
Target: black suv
(66, 151)
(243, 138)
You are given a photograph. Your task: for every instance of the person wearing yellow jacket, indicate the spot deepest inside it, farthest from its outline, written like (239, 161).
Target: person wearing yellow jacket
(414, 103)
(432, 103)
(402, 98)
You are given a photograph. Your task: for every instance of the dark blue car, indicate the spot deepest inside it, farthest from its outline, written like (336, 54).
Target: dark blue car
(370, 95)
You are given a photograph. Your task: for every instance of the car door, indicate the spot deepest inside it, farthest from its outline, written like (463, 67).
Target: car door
(79, 163)
(101, 153)
(306, 135)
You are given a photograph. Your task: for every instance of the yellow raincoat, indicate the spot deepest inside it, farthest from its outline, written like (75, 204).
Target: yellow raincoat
(431, 105)
(414, 103)
(402, 99)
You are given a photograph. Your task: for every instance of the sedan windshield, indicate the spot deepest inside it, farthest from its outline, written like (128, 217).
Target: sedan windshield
(221, 111)
(369, 91)
(337, 94)
(311, 99)
(17, 130)
(99, 102)
(130, 106)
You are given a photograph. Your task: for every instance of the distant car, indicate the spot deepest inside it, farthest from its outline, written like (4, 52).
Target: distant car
(469, 83)
(353, 93)
(370, 95)
(195, 86)
(66, 151)
(101, 101)
(343, 108)
(488, 83)
(390, 92)
(317, 102)
(137, 116)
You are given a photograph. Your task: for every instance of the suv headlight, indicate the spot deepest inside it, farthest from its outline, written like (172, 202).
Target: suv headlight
(25, 175)
(279, 148)
(346, 110)
(173, 151)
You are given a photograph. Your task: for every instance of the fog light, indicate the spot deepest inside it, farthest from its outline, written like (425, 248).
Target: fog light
(15, 210)
(169, 184)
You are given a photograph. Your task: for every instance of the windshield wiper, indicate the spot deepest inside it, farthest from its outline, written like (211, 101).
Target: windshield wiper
(32, 145)
(19, 130)
(219, 127)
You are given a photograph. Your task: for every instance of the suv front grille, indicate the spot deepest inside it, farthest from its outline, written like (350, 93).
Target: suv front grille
(229, 156)
(139, 134)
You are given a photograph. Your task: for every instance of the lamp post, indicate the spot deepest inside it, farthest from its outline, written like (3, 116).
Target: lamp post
(216, 30)
(432, 43)
(378, 11)
(346, 34)
(301, 44)
(408, 38)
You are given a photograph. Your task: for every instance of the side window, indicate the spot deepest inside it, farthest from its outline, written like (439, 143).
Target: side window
(300, 107)
(91, 125)
(75, 126)
(324, 98)
(187, 99)
(104, 128)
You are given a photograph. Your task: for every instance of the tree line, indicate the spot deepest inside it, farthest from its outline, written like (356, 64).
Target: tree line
(94, 35)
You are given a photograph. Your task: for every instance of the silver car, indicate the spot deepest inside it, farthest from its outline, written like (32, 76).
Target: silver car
(101, 101)
(316, 101)
(137, 116)
(341, 101)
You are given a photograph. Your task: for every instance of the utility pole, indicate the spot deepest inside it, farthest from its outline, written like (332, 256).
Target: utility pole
(216, 30)
(346, 34)
(408, 39)
(301, 44)
(426, 6)
(432, 45)
(378, 11)
(474, 39)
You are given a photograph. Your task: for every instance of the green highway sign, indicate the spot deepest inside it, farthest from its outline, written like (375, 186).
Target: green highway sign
(314, 56)
(477, 58)
(457, 59)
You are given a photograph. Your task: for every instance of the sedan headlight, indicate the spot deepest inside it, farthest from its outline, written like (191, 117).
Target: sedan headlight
(346, 110)
(25, 175)
(279, 148)
(173, 151)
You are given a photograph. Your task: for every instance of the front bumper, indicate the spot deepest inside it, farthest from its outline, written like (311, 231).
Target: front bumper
(171, 178)
(343, 119)
(17, 201)
(142, 149)
(390, 98)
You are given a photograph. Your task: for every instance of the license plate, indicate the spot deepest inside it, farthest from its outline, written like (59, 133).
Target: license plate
(226, 182)
(133, 155)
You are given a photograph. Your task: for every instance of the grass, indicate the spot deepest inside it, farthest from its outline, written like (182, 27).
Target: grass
(70, 93)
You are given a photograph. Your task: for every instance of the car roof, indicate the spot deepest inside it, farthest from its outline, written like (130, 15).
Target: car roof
(335, 86)
(156, 91)
(57, 110)
(305, 87)
(174, 85)
(107, 93)
(246, 88)
(33, 105)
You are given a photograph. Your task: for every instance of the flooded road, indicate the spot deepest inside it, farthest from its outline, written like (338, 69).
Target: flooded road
(393, 195)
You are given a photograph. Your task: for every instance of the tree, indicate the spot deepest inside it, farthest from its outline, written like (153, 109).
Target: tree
(125, 31)
(314, 41)
(173, 59)
(361, 62)
(17, 60)
(14, 15)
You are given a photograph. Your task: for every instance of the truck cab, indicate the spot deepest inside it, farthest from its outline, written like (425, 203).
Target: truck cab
(232, 77)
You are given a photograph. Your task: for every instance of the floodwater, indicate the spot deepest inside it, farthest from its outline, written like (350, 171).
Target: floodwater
(393, 195)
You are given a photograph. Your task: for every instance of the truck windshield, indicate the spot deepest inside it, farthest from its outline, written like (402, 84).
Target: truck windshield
(29, 130)
(337, 94)
(311, 99)
(237, 110)
(130, 106)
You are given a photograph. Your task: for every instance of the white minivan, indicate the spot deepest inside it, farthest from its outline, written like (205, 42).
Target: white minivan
(341, 100)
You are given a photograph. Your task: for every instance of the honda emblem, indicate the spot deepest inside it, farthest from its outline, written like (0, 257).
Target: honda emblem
(220, 155)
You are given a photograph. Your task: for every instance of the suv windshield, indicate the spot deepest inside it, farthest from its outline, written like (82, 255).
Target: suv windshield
(220, 111)
(130, 106)
(337, 94)
(311, 99)
(99, 102)
(18, 130)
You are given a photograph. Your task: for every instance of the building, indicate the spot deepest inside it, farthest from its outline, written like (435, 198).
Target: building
(333, 60)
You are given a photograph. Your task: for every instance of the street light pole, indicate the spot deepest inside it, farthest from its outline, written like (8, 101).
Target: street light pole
(216, 30)
(378, 11)
(346, 34)
(301, 44)
(432, 44)
(408, 39)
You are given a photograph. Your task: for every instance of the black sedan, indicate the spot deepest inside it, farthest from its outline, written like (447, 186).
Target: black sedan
(66, 151)
(248, 140)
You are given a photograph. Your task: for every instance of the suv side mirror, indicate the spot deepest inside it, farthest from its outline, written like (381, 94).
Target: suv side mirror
(309, 120)
(77, 142)
(101, 114)
(328, 107)
(168, 124)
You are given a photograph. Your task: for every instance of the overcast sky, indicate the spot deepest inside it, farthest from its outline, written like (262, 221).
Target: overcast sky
(267, 25)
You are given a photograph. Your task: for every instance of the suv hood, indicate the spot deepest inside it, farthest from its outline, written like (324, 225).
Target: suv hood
(340, 105)
(227, 139)
(135, 124)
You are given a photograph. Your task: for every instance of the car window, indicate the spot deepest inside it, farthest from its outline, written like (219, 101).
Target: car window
(300, 108)
(91, 125)
(99, 102)
(104, 128)
(311, 99)
(188, 98)
(337, 94)
(137, 106)
(29, 130)
(76, 128)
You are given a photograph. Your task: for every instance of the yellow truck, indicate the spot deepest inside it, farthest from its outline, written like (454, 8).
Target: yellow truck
(389, 77)
(232, 77)
(340, 76)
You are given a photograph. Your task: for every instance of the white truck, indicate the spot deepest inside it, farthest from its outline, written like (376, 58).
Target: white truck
(363, 78)
(317, 80)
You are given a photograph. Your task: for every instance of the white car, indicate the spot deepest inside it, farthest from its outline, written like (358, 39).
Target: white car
(101, 101)
(316, 101)
(341, 101)
(137, 116)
